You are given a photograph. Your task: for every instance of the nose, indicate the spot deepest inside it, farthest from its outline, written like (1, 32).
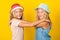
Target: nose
(18, 12)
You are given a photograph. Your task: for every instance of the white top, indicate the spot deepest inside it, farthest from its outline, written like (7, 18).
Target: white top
(17, 32)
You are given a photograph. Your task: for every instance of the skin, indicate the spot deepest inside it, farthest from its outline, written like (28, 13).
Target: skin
(42, 14)
(18, 13)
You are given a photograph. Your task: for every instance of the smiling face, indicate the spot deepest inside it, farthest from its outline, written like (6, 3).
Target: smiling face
(41, 13)
(18, 13)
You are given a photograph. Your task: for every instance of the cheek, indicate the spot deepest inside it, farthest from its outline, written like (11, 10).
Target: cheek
(38, 15)
(16, 15)
(20, 14)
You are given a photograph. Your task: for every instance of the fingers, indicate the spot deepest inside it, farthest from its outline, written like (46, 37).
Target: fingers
(47, 20)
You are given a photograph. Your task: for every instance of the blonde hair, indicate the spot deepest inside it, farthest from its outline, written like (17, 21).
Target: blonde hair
(11, 15)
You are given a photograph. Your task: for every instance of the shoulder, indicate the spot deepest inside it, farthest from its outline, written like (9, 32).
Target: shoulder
(15, 22)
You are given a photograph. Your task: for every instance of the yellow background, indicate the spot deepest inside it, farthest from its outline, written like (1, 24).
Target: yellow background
(29, 15)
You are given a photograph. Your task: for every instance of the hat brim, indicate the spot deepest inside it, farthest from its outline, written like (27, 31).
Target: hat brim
(16, 8)
(37, 8)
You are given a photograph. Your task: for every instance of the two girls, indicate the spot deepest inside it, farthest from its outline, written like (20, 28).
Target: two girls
(17, 24)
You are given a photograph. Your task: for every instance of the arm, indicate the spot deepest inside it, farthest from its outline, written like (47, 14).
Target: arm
(22, 23)
(42, 24)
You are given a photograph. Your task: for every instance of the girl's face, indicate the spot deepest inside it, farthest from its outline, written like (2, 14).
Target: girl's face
(41, 13)
(18, 13)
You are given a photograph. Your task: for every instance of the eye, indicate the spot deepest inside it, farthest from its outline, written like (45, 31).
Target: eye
(15, 11)
(20, 11)
(42, 12)
(37, 11)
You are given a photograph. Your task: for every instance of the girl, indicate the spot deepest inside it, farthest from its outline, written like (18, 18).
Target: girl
(17, 23)
(43, 28)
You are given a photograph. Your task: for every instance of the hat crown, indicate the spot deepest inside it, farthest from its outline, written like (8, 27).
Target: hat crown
(15, 5)
(44, 7)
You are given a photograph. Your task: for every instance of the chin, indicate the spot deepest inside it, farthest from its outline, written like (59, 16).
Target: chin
(19, 17)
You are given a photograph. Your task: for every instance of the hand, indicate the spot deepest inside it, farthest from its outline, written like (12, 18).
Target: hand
(43, 25)
(43, 20)
(47, 20)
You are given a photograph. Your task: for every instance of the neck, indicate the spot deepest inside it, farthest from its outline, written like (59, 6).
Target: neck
(17, 18)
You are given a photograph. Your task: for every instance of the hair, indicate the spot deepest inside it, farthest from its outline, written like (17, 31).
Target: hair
(50, 23)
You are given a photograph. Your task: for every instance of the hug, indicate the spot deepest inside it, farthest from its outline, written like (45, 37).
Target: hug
(42, 24)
